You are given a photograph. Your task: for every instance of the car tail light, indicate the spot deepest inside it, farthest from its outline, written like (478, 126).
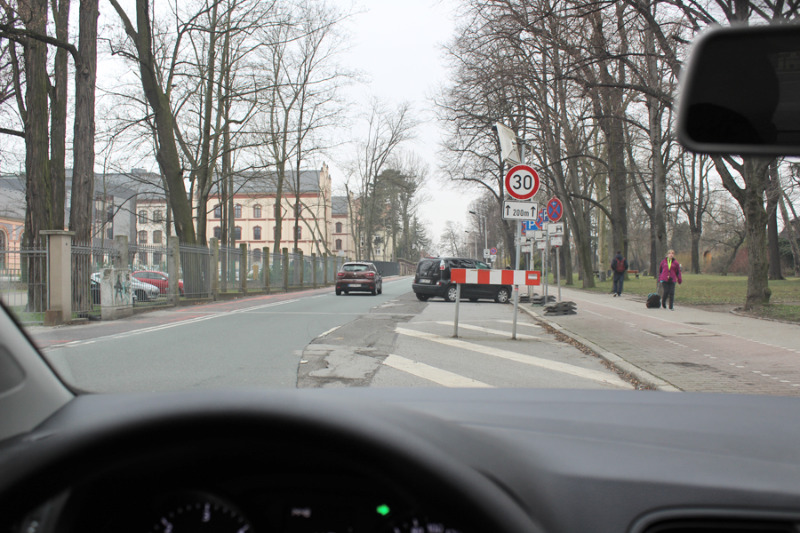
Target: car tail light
(340, 275)
(370, 274)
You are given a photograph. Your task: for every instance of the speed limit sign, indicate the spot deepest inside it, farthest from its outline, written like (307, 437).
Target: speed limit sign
(522, 182)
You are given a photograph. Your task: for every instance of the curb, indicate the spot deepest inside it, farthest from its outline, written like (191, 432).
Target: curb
(617, 362)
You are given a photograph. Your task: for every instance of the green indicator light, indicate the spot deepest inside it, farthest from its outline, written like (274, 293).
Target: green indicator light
(383, 510)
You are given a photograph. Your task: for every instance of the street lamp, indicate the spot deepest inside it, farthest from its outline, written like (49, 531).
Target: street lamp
(474, 242)
(485, 230)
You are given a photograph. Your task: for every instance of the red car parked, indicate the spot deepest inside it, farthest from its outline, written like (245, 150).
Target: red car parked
(159, 279)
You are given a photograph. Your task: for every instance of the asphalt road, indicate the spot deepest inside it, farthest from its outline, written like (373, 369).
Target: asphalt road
(318, 339)
(249, 342)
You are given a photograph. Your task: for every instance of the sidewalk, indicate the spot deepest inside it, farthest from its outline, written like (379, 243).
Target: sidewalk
(688, 349)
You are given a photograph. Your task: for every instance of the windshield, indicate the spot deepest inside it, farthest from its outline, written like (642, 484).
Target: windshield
(514, 186)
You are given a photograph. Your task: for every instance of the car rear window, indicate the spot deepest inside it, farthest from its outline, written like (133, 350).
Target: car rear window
(428, 267)
(355, 268)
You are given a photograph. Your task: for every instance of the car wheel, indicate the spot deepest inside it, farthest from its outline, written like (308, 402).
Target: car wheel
(422, 297)
(452, 292)
(338, 292)
(503, 295)
(141, 295)
(374, 291)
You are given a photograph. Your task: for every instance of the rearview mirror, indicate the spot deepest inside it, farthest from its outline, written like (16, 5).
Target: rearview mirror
(741, 92)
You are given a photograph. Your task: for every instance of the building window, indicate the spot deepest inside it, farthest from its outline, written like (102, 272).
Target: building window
(110, 232)
(256, 211)
(157, 217)
(156, 258)
(338, 227)
(237, 233)
(338, 244)
(142, 217)
(217, 232)
(157, 237)
(299, 232)
(142, 237)
(257, 255)
(143, 258)
(257, 233)
(237, 211)
(110, 213)
(218, 211)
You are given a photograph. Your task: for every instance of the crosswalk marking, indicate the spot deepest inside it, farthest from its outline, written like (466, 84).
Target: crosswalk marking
(490, 330)
(586, 373)
(431, 373)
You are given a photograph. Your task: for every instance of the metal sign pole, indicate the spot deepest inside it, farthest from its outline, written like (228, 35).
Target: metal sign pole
(458, 300)
(558, 273)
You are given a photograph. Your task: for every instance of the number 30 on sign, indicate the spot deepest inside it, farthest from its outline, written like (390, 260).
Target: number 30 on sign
(522, 182)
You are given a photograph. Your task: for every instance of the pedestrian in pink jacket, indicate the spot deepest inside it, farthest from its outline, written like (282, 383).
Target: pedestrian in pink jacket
(668, 273)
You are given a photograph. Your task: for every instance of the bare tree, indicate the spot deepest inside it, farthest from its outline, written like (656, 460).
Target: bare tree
(386, 131)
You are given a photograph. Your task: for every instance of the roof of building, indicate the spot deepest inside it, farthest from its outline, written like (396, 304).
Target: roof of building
(339, 205)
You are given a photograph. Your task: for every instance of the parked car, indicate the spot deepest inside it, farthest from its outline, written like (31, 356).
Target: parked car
(359, 276)
(433, 279)
(141, 292)
(159, 279)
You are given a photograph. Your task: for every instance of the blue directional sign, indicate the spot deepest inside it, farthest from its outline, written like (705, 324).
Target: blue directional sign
(538, 224)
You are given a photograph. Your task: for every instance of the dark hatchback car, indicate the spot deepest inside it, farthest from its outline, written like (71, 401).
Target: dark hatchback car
(433, 279)
(359, 276)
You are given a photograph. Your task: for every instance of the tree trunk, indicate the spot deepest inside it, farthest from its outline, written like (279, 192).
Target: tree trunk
(58, 114)
(82, 197)
(167, 154)
(773, 196)
(38, 193)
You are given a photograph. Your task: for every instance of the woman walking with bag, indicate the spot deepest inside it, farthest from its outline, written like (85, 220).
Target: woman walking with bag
(669, 273)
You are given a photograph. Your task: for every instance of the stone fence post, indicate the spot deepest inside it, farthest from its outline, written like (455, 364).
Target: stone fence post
(59, 284)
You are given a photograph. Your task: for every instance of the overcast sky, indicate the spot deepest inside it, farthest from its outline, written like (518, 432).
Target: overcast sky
(398, 44)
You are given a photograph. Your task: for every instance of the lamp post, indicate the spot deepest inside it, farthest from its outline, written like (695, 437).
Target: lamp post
(474, 243)
(485, 230)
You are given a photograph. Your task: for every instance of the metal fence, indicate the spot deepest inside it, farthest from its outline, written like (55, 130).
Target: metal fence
(202, 273)
(23, 283)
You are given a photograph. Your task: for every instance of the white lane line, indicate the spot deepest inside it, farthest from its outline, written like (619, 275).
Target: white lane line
(328, 332)
(431, 373)
(168, 326)
(489, 330)
(556, 366)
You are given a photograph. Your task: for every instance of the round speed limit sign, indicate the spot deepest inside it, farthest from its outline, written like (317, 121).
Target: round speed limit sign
(522, 182)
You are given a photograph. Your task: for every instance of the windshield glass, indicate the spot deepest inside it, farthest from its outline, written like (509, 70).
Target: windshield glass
(513, 191)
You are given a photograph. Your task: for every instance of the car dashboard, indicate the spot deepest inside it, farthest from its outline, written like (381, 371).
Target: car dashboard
(422, 460)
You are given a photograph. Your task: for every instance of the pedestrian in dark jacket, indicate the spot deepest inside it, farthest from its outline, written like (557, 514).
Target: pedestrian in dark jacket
(668, 273)
(618, 266)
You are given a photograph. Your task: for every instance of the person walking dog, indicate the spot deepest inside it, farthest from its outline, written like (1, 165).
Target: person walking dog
(669, 273)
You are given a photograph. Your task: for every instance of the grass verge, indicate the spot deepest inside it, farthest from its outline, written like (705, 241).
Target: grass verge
(713, 290)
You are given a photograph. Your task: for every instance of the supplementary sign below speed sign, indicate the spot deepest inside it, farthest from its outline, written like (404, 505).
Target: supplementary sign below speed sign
(518, 210)
(522, 182)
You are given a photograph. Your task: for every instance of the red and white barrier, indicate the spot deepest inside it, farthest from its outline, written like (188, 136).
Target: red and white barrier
(495, 277)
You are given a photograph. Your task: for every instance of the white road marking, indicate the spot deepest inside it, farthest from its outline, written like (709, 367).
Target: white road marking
(328, 332)
(169, 326)
(520, 323)
(586, 373)
(431, 373)
(489, 330)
